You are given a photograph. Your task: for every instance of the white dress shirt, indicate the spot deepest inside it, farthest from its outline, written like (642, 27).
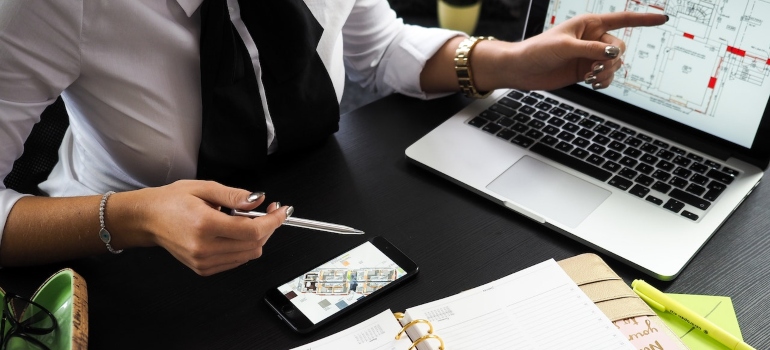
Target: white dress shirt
(128, 72)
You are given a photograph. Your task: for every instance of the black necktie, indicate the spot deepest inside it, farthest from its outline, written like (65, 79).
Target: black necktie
(301, 99)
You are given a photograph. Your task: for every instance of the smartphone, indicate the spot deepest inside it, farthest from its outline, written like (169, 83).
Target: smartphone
(318, 296)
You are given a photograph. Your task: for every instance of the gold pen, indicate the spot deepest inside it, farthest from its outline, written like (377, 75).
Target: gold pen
(305, 223)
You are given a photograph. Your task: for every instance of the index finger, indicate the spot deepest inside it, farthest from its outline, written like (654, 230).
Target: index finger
(623, 19)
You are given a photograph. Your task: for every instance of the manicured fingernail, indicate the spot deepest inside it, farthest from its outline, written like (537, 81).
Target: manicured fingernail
(666, 18)
(289, 211)
(597, 86)
(611, 51)
(590, 79)
(254, 196)
(277, 205)
(598, 68)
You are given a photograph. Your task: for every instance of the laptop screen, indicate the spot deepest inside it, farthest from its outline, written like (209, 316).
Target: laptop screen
(708, 67)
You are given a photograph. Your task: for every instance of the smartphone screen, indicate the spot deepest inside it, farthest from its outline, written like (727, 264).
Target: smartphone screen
(336, 286)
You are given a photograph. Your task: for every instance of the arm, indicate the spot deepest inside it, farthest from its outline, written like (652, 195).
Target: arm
(561, 56)
(181, 217)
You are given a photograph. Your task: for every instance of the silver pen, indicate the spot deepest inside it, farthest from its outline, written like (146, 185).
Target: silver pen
(305, 223)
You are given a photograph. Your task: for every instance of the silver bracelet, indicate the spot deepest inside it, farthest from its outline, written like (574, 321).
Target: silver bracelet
(103, 233)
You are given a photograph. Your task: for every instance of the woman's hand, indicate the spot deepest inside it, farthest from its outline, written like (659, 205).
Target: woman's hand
(184, 218)
(579, 49)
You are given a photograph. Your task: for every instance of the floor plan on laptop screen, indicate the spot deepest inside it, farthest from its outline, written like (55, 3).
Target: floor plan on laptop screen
(707, 67)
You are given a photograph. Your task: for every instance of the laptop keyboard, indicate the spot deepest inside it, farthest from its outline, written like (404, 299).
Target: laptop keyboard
(653, 170)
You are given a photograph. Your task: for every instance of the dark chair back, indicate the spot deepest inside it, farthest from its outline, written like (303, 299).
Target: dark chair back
(40, 150)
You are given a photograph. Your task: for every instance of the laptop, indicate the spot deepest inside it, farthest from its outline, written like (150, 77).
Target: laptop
(645, 171)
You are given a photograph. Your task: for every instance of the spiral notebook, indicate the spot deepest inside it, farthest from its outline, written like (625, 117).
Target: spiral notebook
(578, 303)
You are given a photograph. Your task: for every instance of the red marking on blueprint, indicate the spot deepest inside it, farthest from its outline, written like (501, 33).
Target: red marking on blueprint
(736, 51)
(689, 36)
(553, 19)
(768, 62)
(712, 82)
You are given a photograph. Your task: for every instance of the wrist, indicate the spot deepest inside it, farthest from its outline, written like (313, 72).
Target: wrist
(124, 219)
(494, 65)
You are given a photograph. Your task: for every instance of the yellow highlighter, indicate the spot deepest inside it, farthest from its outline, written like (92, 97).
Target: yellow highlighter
(660, 301)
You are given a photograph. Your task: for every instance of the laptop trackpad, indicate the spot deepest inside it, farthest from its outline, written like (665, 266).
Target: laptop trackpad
(549, 192)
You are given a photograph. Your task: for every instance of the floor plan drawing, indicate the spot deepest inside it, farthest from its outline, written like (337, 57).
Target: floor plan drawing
(708, 57)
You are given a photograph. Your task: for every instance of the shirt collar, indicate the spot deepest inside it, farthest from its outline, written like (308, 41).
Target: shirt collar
(190, 6)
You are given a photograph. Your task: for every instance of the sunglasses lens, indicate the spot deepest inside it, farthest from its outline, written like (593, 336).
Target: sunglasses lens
(31, 317)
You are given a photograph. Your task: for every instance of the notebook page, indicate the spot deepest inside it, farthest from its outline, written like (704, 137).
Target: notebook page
(376, 333)
(536, 308)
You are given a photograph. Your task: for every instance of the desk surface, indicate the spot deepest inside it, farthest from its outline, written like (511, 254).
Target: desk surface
(144, 298)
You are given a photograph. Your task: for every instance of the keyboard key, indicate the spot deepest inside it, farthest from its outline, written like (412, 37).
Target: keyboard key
(661, 187)
(501, 109)
(665, 165)
(556, 121)
(690, 199)
(586, 134)
(699, 168)
(491, 128)
(587, 123)
(565, 136)
(689, 215)
(489, 115)
(595, 160)
(644, 138)
(732, 172)
(572, 117)
(632, 152)
(628, 161)
(564, 147)
(596, 148)
(712, 195)
(573, 128)
(534, 134)
(628, 131)
(639, 191)
(535, 124)
(674, 205)
(527, 110)
(581, 142)
(519, 127)
(602, 129)
(682, 161)
(644, 168)
(649, 148)
(720, 176)
(682, 172)
(699, 179)
(523, 141)
(660, 144)
(521, 118)
(541, 115)
(712, 164)
(628, 173)
(536, 95)
(549, 140)
(617, 146)
(551, 101)
(695, 157)
(543, 106)
(695, 189)
(516, 95)
(611, 166)
(581, 112)
(506, 134)
(612, 155)
(558, 111)
(633, 142)
(602, 140)
(579, 153)
(506, 122)
(667, 155)
(678, 182)
(617, 135)
(566, 106)
(612, 124)
(654, 200)
(530, 100)
(595, 118)
(648, 158)
(620, 183)
(477, 122)
(645, 180)
(571, 162)
(661, 175)
(678, 150)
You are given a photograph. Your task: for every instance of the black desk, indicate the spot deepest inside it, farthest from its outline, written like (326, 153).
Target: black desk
(144, 298)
